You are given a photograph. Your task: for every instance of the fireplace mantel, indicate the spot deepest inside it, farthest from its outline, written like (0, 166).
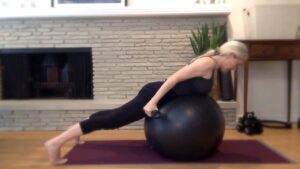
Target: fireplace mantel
(200, 10)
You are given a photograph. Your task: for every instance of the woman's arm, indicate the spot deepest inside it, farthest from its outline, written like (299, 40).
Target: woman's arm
(198, 68)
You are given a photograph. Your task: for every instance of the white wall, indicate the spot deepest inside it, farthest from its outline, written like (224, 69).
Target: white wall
(263, 19)
(267, 91)
(236, 29)
(276, 21)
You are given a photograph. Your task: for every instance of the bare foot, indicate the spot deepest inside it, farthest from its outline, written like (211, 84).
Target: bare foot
(54, 153)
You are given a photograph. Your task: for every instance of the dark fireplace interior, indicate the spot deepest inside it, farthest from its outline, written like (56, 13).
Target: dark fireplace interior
(49, 73)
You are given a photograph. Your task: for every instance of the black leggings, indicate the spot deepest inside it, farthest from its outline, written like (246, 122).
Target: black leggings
(127, 113)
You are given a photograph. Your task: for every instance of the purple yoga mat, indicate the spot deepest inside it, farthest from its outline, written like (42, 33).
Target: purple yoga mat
(138, 152)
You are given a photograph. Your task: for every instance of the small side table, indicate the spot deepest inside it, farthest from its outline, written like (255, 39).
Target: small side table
(267, 50)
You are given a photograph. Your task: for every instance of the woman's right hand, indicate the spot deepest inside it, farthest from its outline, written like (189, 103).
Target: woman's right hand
(149, 108)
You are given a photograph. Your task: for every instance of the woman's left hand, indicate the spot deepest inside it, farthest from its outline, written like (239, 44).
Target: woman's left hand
(149, 108)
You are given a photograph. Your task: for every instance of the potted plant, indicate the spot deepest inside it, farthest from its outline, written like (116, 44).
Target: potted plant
(208, 38)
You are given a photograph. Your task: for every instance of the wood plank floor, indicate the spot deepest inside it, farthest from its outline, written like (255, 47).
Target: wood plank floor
(24, 150)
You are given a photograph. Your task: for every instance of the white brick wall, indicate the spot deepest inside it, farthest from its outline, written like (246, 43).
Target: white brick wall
(40, 119)
(36, 120)
(126, 53)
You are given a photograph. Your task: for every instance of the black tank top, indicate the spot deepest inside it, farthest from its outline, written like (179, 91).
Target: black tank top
(197, 85)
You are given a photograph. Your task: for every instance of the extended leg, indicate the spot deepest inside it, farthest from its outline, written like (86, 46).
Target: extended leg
(127, 113)
(108, 119)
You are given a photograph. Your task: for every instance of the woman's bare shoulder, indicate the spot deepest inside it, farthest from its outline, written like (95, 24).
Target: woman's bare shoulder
(205, 62)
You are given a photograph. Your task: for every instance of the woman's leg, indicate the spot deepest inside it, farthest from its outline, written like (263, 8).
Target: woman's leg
(53, 145)
(77, 139)
(127, 113)
(115, 118)
(108, 119)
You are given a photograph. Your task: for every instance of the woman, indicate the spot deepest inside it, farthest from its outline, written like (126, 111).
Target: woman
(194, 78)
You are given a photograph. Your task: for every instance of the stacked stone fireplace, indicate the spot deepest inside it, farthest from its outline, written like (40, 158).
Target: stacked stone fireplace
(127, 52)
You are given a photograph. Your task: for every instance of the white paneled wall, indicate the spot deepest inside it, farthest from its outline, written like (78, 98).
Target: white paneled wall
(267, 89)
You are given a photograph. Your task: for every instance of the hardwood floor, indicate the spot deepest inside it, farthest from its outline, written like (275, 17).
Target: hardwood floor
(24, 150)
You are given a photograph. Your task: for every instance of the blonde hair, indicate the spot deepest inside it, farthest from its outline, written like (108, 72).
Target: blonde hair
(238, 48)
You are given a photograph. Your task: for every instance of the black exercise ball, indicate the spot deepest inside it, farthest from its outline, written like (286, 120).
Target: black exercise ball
(186, 128)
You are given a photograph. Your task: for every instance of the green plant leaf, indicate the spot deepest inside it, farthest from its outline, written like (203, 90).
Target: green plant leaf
(202, 40)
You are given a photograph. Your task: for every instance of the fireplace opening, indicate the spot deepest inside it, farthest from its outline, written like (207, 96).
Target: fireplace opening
(49, 73)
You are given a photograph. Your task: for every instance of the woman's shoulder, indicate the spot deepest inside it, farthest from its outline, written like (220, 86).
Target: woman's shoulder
(206, 65)
(206, 62)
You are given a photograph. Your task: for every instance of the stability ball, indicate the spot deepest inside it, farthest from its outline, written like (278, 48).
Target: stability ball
(187, 128)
